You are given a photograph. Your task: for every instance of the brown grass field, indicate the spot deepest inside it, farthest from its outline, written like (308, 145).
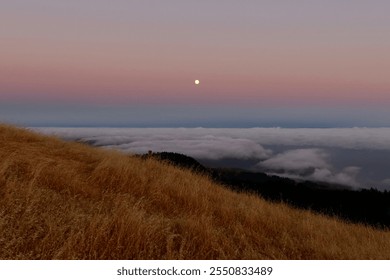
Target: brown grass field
(62, 200)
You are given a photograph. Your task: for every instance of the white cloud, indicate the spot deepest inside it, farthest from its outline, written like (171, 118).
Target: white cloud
(208, 147)
(386, 182)
(346, 177)
(135, 140)
(297, 160)
(347, 138)
(212, 143)
(309, 164)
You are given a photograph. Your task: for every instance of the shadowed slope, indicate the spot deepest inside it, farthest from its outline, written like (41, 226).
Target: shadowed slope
(63, 200)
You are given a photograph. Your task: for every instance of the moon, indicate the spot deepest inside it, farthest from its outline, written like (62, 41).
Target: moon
(197, 82)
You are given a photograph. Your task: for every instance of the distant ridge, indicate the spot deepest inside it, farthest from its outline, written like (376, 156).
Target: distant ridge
(179, 160)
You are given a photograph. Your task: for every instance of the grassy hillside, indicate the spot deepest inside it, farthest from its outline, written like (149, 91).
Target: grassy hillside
(370, 207)
(63, 200)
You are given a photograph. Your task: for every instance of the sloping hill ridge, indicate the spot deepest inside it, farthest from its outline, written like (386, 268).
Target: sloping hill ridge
(63, 200)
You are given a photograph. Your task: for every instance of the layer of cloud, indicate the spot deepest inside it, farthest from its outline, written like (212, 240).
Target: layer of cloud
(139, 141)
(309, 164)
(348, 176)
(207, 147)
(386, 182)
(297, 161)
(347, 138)
(242, 144)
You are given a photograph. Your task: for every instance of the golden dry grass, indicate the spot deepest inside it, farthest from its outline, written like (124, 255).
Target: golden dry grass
(63, 200)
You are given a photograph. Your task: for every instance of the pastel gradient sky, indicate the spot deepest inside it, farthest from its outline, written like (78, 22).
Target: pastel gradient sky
(133, 63)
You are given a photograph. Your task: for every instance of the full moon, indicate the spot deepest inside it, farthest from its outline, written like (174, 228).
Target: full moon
(197, 82)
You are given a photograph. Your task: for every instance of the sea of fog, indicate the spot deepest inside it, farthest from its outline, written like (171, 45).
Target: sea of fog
(356, 157)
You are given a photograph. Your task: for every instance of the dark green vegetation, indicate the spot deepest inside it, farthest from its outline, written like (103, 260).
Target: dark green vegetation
(367, 206)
